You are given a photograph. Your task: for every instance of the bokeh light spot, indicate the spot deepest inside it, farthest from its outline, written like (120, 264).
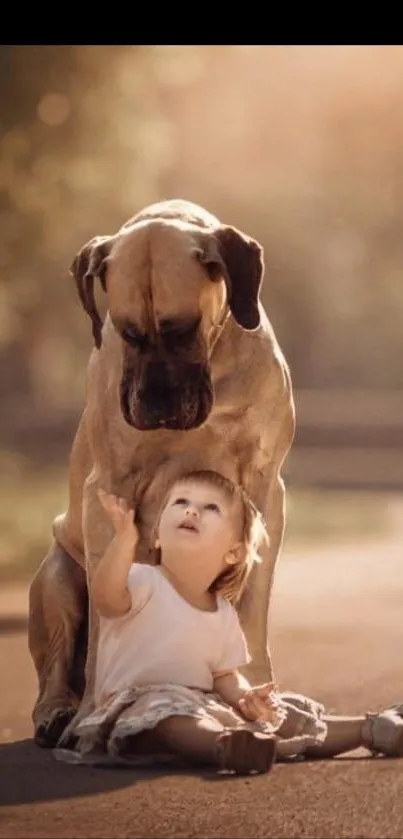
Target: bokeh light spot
(53, 109)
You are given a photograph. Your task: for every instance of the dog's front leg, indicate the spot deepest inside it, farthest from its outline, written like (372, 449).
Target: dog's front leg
(254, 606)
(98, 533)
(267, 490)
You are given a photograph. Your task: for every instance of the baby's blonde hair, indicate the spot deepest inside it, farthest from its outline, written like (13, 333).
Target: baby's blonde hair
(232, 581)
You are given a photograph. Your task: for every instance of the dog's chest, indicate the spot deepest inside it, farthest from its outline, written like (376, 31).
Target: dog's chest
(227, 446)
(228, 437)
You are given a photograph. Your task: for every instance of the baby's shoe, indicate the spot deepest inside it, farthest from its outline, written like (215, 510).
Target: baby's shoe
(303, 703)
(383, 733)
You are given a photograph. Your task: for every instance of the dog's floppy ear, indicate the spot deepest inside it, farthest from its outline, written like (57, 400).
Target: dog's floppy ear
(88, 265)
(239, 259)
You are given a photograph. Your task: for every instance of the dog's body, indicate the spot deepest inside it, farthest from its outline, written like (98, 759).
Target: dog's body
(187, 375)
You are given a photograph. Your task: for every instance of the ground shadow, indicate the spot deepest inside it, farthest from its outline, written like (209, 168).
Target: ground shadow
(29, 774)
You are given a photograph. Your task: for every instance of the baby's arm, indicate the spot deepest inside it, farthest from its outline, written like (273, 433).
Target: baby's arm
(232, 687)
(110, 591)
(255, 703)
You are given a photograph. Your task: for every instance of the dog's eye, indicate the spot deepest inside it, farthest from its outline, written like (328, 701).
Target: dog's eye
(188, 333)
(133, 337)
(180, 335)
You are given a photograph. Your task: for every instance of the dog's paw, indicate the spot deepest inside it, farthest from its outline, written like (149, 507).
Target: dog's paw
(48, 732)
(68, 739)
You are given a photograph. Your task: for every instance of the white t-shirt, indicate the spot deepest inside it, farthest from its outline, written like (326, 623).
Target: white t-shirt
(165, 639)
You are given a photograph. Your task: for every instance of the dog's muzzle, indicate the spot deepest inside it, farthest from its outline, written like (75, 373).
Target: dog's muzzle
(177, 399)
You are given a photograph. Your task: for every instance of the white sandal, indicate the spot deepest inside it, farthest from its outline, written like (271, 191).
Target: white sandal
(383, 733)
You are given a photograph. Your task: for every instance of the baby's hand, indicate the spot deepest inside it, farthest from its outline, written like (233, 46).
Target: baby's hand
(120, 514)
(260, 703)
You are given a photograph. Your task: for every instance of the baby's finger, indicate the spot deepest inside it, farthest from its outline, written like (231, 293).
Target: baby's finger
(262, 709)
(102, 495)
(265, 690)
(254, 708)
(246, 709)
(125, 508)
(108, 502)
(129, 519)
(262, 706)
(122, 505)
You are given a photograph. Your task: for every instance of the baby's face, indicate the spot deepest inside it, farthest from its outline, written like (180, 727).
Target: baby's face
(199, 526)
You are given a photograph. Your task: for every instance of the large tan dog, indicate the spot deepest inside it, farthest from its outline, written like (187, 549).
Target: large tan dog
(186, 374)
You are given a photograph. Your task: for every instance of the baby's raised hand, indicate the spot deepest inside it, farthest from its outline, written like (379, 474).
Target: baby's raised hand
(260, 703)
(120, 514)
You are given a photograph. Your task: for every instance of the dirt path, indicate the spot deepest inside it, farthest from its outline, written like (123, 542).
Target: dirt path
(337, 633)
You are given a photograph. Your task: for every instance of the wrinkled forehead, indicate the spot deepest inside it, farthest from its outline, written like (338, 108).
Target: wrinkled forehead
(198, 491)
(153, 272)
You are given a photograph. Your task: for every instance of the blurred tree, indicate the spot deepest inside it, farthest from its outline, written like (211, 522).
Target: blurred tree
(302, 147)
(277, 140)
(82, 148)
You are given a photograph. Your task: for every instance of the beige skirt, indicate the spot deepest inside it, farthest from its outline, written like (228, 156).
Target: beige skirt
(297, 722)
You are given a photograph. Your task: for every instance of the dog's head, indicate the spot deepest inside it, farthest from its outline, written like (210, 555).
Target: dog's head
(169, 284)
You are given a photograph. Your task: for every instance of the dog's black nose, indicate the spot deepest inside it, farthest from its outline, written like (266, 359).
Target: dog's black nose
(157, 393)
(158, 400)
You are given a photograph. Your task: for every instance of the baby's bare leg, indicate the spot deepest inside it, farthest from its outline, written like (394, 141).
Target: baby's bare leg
(191, 737)
(343, 735)
(207, 741)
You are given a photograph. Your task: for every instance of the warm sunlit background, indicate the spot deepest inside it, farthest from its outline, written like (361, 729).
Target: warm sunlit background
(299, 146)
